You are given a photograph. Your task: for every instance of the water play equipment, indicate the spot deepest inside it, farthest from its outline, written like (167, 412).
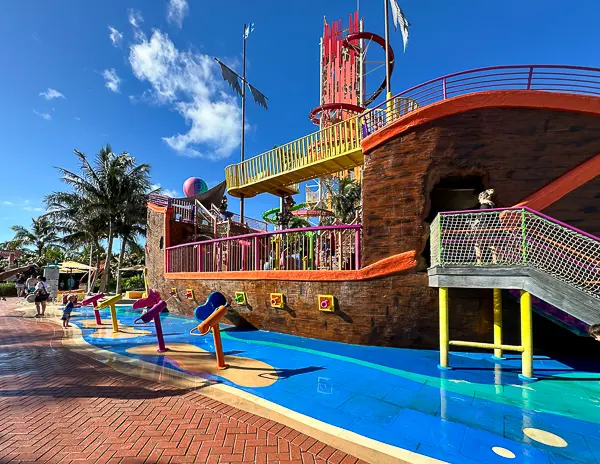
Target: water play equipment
(212, 323)
(110, 303)
(194, 186)
(214, 300)
(93, 301)
(152, 299)
(154, 314)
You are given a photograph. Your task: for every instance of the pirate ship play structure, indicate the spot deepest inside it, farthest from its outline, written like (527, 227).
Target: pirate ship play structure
(530, 132)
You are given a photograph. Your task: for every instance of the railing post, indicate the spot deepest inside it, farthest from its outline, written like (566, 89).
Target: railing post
(256, 254)
(444, 88)
(167, 260)
(529, 78)
(357, 249)
(200, 257)
(524, 236)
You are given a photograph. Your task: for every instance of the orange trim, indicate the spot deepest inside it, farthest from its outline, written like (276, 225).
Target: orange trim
(474, 101)
(386, 267)
(158, 209)
(565, 184)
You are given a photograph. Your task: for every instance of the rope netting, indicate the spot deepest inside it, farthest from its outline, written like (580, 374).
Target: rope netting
(517, 237)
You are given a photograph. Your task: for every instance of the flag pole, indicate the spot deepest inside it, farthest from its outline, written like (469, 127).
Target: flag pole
(387, 51)
(243, 121)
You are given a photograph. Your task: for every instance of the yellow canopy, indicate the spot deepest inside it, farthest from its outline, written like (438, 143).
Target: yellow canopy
(73, 266)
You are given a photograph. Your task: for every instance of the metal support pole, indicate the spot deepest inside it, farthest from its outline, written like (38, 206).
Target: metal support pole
(526, 337)
(243, 122)
(444, 332)
(388, 84)
(497, 322)
(113, 318)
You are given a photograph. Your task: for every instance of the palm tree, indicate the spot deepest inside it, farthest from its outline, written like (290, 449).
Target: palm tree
(40, 236)
(105, 190)
(345, 199)
(130, 224)
(81, 226)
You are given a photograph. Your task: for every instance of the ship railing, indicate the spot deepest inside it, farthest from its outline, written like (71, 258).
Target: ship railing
(334, 248)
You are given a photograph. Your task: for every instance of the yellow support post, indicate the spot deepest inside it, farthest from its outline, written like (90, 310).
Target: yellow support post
(526, 337)
(444, 331)
(498, 322)
(110, 303)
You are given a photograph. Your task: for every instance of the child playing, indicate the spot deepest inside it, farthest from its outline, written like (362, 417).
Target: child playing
(66, 317)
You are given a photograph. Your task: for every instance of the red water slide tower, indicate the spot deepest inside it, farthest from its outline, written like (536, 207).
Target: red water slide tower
(344, 67)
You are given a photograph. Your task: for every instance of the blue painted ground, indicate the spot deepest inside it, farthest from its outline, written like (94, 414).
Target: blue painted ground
(399, 397)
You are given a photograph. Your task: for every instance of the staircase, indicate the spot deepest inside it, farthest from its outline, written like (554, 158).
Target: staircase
(519, 249)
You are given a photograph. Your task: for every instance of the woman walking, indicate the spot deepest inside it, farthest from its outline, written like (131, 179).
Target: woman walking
(20, 285)
(42, 293)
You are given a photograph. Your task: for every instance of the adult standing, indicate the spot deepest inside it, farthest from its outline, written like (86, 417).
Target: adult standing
(71, 282)
(20, 285)
(42, 293)
(31, 283)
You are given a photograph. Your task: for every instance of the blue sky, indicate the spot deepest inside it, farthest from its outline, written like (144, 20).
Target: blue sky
(152, 89)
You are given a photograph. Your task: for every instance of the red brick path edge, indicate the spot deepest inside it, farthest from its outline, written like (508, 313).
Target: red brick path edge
(58, 406)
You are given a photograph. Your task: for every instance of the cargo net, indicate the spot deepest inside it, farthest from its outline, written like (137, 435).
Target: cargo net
(517, 237)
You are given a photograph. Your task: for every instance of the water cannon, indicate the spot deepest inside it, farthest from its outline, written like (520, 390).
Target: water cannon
(154, 314)
(212, 323)
(93, 301)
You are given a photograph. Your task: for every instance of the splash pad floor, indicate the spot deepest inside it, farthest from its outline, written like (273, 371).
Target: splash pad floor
(478, 412)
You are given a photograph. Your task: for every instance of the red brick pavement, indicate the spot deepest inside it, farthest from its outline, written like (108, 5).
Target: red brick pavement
(59, 406)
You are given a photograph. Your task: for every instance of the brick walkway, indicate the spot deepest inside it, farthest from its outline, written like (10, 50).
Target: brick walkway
(59, 406)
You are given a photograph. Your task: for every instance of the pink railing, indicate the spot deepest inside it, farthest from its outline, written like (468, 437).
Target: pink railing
(547, 78)
(309, 248)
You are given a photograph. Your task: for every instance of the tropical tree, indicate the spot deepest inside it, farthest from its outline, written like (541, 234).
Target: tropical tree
(345, 199)
(82, 227)
(129, 225)
(39, 237)
(104, 190)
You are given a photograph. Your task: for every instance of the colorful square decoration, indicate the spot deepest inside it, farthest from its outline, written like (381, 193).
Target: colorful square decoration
(240, 298)
(277, 300)
(326, 303)
(189, 294)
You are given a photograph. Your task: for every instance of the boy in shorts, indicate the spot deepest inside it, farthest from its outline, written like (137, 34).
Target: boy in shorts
(66, 317)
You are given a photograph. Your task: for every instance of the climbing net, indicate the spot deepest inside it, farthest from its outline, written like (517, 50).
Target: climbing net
(517, 237)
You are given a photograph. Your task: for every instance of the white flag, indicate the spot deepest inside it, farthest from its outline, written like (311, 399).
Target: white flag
(400, 21)
(248, 30)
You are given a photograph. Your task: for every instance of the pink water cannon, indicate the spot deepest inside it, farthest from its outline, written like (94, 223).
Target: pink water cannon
(93, 300)
(154, 313)
(152, 299)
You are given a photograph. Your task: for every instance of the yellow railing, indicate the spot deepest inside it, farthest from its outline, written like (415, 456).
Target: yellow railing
(314, 148)
(313, 155)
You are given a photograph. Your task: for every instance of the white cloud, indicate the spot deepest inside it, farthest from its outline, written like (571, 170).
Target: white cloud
(51, 94)
(77, 118)
(7, 203)
(115, 36)
(191, 84)
(176, 11)
(45, 116)
(112, 81)
(31, 208)
(135, 18)
(164, 191)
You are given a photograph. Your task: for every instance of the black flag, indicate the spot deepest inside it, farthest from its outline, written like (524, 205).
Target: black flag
(259, 98)
(231, 77)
